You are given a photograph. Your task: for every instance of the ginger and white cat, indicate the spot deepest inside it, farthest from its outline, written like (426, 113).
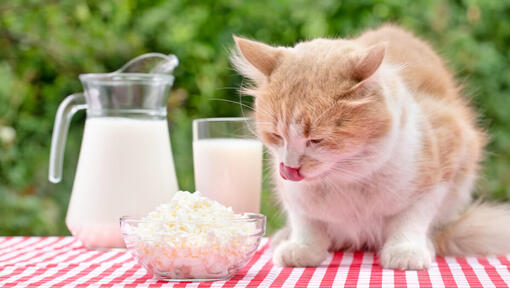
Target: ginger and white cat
(374, 148)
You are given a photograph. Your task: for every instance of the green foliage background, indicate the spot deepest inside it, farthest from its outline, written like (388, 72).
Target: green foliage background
(45, 45)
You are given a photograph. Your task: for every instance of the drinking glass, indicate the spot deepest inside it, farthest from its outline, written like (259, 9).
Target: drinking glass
(227, 160)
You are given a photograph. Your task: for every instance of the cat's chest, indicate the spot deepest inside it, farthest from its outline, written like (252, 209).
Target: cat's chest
(339, 203)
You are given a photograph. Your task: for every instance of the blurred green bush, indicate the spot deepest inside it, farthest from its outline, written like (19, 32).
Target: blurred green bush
(45, 45)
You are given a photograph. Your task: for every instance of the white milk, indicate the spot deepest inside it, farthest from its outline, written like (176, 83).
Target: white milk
(125, 168)
(229, 171)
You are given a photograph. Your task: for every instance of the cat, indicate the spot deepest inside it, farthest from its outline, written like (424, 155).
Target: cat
(374, 147)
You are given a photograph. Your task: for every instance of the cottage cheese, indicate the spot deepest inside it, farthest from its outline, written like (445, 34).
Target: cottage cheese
(193, 237)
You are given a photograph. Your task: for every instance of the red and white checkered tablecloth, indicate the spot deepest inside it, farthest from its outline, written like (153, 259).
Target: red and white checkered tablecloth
(63, 261)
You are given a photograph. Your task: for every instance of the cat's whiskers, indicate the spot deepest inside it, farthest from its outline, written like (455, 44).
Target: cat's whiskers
(231, 101)
(242, 110)
(359, 159)
(228, 88)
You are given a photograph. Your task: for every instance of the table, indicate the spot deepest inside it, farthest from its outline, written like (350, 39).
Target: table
(63, 261)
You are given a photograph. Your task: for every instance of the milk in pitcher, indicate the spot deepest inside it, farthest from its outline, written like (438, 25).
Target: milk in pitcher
(112, 169)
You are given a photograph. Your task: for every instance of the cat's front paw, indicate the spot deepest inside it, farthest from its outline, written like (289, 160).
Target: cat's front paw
(406, 255)
(294, 254)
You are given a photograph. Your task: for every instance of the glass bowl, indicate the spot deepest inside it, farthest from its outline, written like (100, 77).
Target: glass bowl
(198, 251)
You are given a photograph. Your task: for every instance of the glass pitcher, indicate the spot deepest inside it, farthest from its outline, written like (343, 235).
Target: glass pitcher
(125, 165)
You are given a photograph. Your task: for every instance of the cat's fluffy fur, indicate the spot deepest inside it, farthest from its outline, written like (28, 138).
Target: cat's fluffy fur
(388, 148)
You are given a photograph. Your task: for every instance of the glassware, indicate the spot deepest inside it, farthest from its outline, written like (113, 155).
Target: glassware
(125, 164)
(227, 160)
(176, 257)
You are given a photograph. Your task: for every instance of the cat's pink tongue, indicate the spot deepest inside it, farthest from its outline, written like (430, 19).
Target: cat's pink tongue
(289, 173)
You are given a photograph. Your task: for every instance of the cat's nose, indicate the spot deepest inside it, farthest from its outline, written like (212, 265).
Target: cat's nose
(290, 173)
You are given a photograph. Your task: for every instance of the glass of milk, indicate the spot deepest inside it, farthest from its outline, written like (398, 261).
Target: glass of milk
(227, 160)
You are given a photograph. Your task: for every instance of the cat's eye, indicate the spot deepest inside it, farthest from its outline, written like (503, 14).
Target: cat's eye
(313, 142)
(276, 136)
(273, 138)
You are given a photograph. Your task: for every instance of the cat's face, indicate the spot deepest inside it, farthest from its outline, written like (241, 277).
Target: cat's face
(314, 107)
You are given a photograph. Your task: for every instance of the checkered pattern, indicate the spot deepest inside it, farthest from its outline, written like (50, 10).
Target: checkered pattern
(63, 261)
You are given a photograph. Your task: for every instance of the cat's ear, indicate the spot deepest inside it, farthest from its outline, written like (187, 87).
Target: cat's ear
(260, 56)
(369, 62)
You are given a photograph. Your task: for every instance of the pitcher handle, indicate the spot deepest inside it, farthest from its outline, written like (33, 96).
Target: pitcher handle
(65, 112)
